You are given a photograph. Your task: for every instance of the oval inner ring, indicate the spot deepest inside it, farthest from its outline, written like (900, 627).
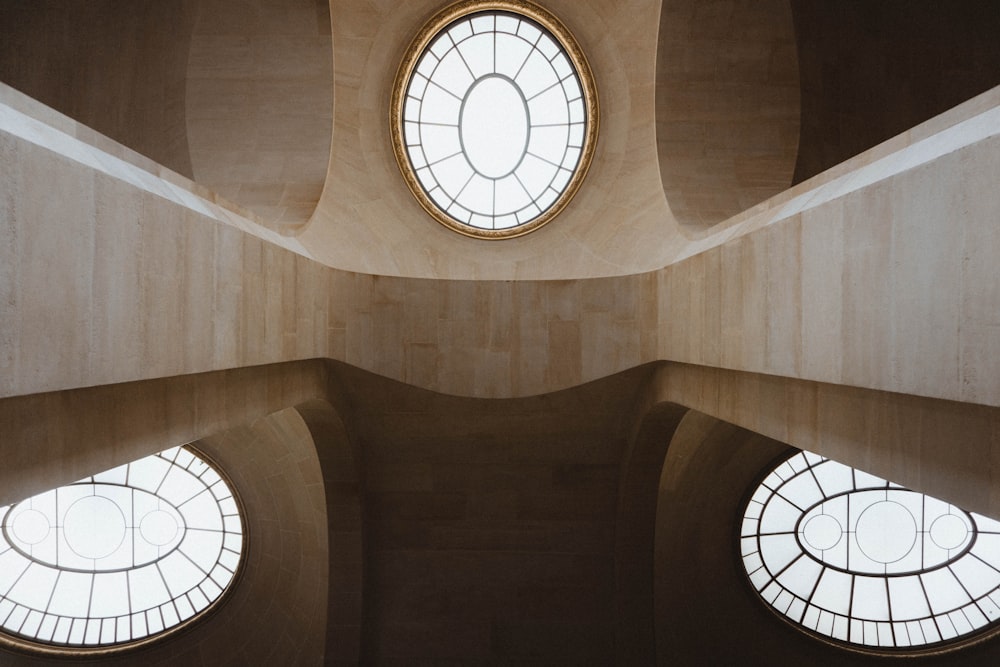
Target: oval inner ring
(494, 126)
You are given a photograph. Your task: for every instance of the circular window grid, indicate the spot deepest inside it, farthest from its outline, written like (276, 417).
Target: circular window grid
(120, 559)
(867, 564)
(476, 67)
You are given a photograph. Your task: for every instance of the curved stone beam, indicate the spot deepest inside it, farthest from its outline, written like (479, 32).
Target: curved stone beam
(709, 468)
(56, 438)
(943, 448)
(130, 276)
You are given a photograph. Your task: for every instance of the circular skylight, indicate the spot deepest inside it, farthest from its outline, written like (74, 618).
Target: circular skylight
(494, 117)
(121, 556)
(867, 562)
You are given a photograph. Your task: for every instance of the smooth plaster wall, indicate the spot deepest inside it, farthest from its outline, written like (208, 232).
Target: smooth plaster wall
(727, 106)
(117, 67)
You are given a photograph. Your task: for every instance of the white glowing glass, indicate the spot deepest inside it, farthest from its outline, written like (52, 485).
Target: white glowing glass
(494, 120)
(865, 561)
(119, 556)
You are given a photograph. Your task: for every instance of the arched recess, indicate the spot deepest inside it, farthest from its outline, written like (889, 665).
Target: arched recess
(705, 610)
(680, 464)
(294, 468)
(276, 470)
(635, 531)
(339, 459)
(698, 600)
(727, 106)
(259, 104)
(277, 611)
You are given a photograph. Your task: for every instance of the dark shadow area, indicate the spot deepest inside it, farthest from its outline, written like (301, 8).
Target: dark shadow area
(872, 70)
(117, 67)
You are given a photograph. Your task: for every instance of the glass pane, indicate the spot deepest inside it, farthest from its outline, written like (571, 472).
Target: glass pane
(494, 80)
(867, 561)
(101, 561)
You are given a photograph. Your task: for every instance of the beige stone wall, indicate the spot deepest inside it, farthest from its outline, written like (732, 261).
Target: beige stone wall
(490, 524)
(133, 279)
(220, 293)
(883, 285)
(852, 314)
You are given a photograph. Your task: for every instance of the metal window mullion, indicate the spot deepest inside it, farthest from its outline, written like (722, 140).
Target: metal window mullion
(888, 604)
(534, 47)
(191, 560)
(11, 587)
(52, 593)
(460, 55)
(930, 609)
(545, 90)
(812, 593)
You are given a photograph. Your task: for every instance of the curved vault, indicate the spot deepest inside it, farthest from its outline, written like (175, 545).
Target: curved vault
(259, 105)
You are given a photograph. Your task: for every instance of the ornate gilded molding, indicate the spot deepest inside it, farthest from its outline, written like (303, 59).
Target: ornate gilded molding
(436, 24)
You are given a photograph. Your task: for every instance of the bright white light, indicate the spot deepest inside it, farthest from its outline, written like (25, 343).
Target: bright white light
(494, 126)
(494, 120)
(112, 558)
(863, 560)
(886, 532)
(94, 527)
(822, 532)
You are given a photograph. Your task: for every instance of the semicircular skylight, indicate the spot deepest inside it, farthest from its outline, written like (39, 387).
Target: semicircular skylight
(121, 556)
(494, 117)
(864, 561)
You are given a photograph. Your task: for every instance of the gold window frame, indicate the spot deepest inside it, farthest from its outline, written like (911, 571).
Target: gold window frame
(434, 26)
